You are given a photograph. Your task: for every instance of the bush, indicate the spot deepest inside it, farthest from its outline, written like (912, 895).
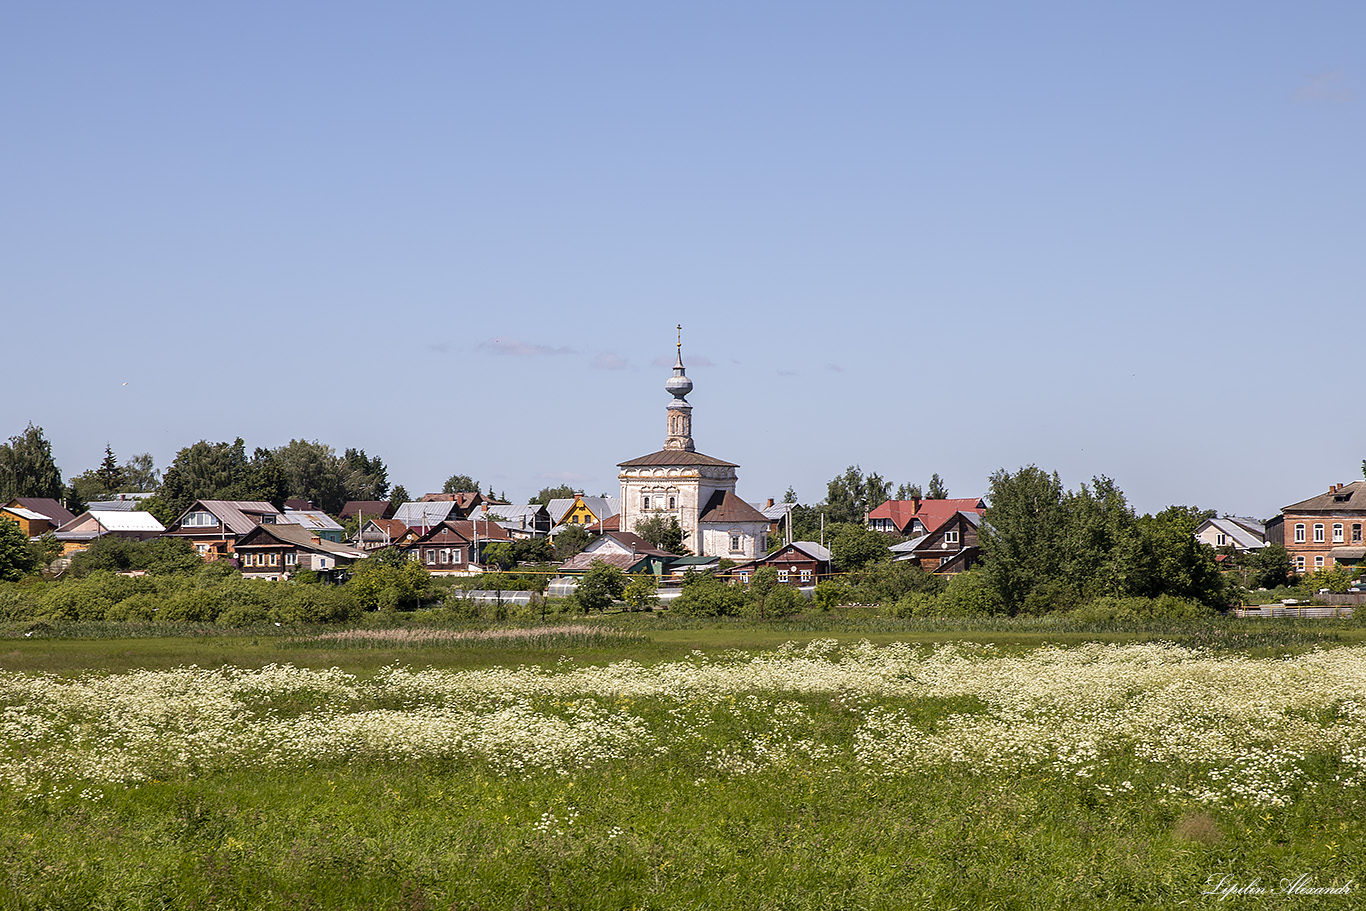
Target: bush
(1164, 607)
(827, 594)
(704, 595)
(970, 594)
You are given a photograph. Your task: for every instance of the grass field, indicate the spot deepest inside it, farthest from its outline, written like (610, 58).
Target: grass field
(830, 762)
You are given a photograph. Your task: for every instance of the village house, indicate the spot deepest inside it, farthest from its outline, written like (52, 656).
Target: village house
(129, 525)
(36, 515)
(800, 563)
(1324, 531)
(274, 551)
(456, 547)
(215, 526)
(625, 550)
(377, 534)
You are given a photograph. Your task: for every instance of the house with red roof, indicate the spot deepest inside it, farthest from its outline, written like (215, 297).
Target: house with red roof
(943, 533)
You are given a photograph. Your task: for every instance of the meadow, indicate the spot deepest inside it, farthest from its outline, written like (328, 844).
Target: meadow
(647, 762)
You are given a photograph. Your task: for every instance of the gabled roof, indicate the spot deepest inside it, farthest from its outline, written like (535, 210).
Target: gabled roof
(393, 528)
(510, 512)
(116, 521)
(582, 561)
(112, 506)
(234, 514)
(314, 519)
(725, 506)
(23, 513)
(1242, 537)
(675, 457)
(602, 507)
(378, 508)
(810, 548)
(931, 513)
(465, 499)
(425, 513)
(1350, 497)
(468, 530)
(298, 536)
(47, 507)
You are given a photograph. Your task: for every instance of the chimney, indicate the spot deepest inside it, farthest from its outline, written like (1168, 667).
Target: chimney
(915, 505)
(769, 504)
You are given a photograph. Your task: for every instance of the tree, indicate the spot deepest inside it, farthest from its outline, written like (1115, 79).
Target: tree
(140, 474)
(203, 471)
(109, 472)
(663, 532)
(936, 489)
(460, 483)
(1021, 532)
(790, 496)
(641, 593)
(1268, 567)
(500, 555)
(546, 494)
(27, 468)
(599, 587)
(16, 557)
(366, 477)
(312, 471)
(908, 492)
(400, 495)
(571, 541)
(854, 546)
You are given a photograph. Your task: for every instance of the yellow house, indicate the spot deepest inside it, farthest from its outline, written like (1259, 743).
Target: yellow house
(589, 510)
(36, 515)
(31, 522)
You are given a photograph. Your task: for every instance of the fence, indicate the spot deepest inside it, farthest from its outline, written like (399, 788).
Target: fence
(1293, 611)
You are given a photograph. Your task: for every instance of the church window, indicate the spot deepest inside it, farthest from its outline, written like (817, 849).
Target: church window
(673, 502)
(734, 542)
(644, 502)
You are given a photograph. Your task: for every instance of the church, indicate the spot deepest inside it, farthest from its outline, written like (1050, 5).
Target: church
(698, 490)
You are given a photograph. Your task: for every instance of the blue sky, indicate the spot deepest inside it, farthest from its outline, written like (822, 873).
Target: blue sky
(1114, 239)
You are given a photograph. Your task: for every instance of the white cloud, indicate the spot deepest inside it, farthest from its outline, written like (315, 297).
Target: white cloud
(511, 347)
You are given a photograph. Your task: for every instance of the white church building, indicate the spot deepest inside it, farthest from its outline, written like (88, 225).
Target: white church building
(698, 490)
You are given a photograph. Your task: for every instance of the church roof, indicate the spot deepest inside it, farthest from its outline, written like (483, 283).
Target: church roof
(726, 506)
(675, 457)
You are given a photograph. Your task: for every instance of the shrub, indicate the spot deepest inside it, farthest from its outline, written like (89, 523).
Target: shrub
(1132, 609)
(970, 594)
(704, 595)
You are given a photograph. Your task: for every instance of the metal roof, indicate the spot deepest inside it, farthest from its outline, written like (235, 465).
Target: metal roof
(678, 457)
(310, 518)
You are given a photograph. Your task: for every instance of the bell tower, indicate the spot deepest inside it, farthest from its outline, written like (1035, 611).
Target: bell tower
(679, 435)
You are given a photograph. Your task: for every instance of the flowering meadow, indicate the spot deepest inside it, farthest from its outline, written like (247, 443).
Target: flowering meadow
(816, 775)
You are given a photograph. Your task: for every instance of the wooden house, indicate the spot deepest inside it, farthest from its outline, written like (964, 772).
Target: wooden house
(277, 551)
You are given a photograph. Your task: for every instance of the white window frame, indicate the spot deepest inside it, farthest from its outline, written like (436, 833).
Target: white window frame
(744, 578)
(1220, 539)
(1337, 532)
(431, 556)
(1299, 532)
(1318, 533)
(806, 575)
(274, 559)
(951, 536)
(783, 575)
(291, 559)
(1318, 561)
(1299, 563)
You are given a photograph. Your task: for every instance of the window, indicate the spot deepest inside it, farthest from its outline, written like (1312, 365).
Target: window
(455, 555)
(1337, 532)
(291, 558)
(431, 556)
(806, 575)
(734, 543)
(1318, 562)
(782, 575)
(1220, 539)
(1299, 563)
(274, 559)
(1356, 533)
(1299, 533)
(744, 578)
(644, 502)
(1318, 533)
(445, 555)
(951, 537)
(199, 519)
